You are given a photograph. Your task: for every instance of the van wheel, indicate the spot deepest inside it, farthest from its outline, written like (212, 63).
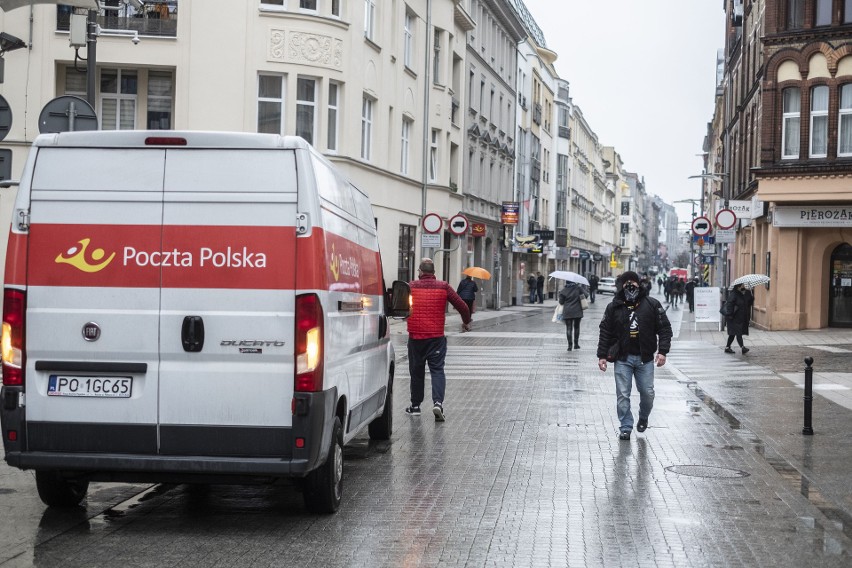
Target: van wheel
(58, 491)
(381, 427)
(323, 487)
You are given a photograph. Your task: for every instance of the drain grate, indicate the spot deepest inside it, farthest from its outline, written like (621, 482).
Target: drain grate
(707, 471)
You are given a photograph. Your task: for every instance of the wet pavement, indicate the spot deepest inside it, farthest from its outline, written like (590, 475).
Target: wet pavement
(527, 471)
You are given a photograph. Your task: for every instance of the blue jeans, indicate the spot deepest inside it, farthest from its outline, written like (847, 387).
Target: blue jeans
(420, 352)
(624, 373)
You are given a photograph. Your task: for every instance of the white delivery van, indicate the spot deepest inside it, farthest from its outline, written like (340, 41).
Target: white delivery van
(191, 307)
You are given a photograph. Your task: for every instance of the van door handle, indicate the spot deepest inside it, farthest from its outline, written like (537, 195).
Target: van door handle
(192, 334)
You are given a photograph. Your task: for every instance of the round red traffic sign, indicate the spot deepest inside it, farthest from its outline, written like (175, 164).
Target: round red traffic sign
(458, 224)
(726, 219)
(701, 226)
(432, 223)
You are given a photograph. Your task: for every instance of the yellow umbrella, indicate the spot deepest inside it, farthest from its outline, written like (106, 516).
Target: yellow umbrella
(477, 272)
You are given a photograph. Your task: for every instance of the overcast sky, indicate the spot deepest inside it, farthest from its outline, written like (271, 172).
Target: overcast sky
(644, 74)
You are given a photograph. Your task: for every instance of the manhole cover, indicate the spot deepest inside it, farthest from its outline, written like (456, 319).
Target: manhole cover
(708, 471)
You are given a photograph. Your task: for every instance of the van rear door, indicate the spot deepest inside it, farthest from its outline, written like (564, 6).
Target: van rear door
(92, 317)
(226, 328)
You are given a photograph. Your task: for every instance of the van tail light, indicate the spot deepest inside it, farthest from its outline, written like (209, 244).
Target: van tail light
(12, 342)
(309, 343)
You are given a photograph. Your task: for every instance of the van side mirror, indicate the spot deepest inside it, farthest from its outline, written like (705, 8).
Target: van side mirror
(397, 300)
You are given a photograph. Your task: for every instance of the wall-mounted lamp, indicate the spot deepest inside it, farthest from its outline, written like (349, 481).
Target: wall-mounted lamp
(8, 42)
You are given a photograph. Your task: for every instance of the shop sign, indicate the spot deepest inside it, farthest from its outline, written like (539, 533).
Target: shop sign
(510, 211)
(812, 216)
(544, 234)
(742, 208)
(562, 239)
(575, 253)
(477, 229)
(584, 255)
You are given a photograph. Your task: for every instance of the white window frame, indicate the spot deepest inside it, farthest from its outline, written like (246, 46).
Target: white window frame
(786, 117)
(333, 116)
(433, 155)
(817, 115)
(279, 101)
(366, 128)
(335, 8)
(436, 57)
(314, 10)
(166, 98)
(843, 112)
(119, 98)
(370, 19)
(307, 105)
(408, 40)
(405, 146)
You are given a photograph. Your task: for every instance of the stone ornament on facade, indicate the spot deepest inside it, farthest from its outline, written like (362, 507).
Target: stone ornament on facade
(288, 46)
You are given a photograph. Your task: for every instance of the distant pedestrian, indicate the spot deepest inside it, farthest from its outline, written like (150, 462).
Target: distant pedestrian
(426, 340)
(659, 284)
(629, 332)
(467, 290)
(593, 286)
(572, 312)
(737, 315)
(539, 287)
(531, 283)
(646, 284)
(667, 289)
(690, 293)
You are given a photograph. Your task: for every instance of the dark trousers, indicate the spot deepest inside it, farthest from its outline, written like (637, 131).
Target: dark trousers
(731, 340)
(469, 304)
(540, 293)
(573, 323)
(420, 352)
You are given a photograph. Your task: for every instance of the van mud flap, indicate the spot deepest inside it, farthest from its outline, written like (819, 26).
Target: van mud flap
(313, 420)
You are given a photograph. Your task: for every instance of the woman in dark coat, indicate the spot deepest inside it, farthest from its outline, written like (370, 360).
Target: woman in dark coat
(572, 312)
(737, 315)
(467, 291)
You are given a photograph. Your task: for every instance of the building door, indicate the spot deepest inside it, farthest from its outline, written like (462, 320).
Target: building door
(840, 287)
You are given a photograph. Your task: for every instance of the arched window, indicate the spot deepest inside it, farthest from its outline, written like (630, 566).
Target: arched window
(790, 123)
(844, 132)
(819, 122)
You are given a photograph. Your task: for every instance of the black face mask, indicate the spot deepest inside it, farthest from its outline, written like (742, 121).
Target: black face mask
(631, 292)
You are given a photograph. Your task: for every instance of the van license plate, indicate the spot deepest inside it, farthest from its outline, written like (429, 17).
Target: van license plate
(103, 387)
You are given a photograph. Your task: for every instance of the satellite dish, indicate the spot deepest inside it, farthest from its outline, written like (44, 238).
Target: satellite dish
(5, 118)
(67, 114)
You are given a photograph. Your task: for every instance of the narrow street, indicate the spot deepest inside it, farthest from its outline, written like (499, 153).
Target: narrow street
(526, 471)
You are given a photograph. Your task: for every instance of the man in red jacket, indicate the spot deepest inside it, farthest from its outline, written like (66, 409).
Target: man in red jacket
(426, 340)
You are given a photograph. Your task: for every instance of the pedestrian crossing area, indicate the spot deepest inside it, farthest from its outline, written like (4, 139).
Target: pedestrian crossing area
(698, 361)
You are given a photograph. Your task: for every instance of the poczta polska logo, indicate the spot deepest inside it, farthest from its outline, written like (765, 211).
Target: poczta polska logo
(230, 257)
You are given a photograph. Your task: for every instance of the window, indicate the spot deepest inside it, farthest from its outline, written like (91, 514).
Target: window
(844, 144)
(335, 8)
(847, 11)
(823, 12)
(75, 83)
(795, 14)
(405, 261)
(790, 123)
(273, 2)
(306, 108)
(819, 122)
(433, 156)
(366, 128)
(333, 114)
(408, 40)
(118, 99)
(369, 18)
(159, 100)
(308, 5)
(405, 146)
(436, 58)
(270, 104)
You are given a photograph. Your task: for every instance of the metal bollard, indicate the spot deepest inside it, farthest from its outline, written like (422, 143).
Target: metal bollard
(809, 396)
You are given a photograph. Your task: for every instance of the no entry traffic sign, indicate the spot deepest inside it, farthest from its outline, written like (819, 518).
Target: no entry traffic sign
(726, 219)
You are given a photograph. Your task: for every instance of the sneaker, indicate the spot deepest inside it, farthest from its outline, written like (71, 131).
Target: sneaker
(728, 350)
(438, 411)
(413, 410)
(624, 435)
(746, 350)
(642, 425)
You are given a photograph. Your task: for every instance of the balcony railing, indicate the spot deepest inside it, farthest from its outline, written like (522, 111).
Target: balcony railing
(161, 23)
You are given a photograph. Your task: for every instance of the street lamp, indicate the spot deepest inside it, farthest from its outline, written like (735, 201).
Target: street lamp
(8, 42)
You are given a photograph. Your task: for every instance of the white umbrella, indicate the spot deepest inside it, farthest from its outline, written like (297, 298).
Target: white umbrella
(751, 280)
(7, 5)
(569, 276)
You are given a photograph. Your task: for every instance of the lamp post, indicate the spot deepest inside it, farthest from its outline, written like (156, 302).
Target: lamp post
(705, 176)
(691, 239)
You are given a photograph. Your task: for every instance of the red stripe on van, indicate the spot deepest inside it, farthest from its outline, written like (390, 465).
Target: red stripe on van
(16, 260)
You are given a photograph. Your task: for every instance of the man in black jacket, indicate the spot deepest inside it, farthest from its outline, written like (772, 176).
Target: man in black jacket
(629, 330)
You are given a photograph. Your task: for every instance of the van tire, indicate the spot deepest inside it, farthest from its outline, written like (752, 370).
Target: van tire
(58, 491)
(323, 487)
(381, 427)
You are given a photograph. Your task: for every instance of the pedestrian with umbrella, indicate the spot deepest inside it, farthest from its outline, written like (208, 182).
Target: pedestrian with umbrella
(467, 288)
(737, 315)
(571, 299)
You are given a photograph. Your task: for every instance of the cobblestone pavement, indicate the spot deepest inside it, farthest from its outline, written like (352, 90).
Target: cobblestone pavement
(526, 471)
